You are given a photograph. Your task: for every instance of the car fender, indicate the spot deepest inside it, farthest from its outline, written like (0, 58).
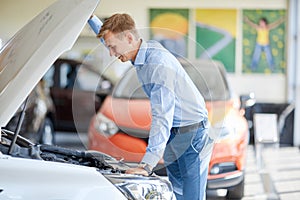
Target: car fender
(36, 179)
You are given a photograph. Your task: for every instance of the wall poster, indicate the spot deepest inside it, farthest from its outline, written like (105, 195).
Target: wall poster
(264, 41)
(170, 28)
(216, 35)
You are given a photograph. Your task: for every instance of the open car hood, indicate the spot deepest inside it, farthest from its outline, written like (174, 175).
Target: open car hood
(30, 52)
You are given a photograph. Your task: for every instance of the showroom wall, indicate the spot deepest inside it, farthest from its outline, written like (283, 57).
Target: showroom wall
(274, 84)
(14, 14)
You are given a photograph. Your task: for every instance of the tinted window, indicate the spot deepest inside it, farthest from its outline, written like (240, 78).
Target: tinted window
(67, 76)
(49, 77)
(87, 79)
(210, 81)
(72, 76)
(129, 87)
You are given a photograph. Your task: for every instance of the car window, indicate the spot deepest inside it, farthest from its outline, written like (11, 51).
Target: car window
(208, 78)
(49, 77)
(129, 87)
(73, 76)
(67, 76)
(210, 82)
(88, 80)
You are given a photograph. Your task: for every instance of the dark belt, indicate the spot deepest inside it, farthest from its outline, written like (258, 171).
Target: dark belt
(188, 128)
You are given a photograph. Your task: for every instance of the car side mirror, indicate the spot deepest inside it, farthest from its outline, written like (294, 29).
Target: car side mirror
(247, 100)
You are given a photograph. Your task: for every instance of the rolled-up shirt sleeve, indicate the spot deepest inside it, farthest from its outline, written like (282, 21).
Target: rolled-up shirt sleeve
(96, 24)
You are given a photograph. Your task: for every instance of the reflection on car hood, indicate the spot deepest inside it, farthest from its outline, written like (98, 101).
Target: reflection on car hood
(31, 51)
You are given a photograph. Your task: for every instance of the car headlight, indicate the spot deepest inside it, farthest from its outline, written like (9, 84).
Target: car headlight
(142, 188)
(105, 125)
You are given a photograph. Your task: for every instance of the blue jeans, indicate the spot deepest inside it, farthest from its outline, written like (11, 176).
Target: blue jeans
(257, 53)
(187, 157)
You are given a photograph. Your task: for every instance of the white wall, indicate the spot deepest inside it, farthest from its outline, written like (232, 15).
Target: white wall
(14, 14)
(267, 88)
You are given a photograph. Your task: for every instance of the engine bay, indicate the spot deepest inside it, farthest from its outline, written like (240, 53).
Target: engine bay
(26, 149)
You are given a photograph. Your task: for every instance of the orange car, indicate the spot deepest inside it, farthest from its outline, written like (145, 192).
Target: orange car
(121, 126)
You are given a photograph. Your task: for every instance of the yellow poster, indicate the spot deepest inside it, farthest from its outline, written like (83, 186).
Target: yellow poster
(170, 28)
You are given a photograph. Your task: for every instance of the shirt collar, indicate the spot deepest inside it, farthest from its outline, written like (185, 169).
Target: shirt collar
(141, 55)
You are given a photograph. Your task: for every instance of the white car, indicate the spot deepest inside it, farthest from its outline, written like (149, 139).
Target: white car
(34, 171)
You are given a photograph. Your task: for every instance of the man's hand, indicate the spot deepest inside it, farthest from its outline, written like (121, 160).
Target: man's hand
(138, 171)
(142, 169)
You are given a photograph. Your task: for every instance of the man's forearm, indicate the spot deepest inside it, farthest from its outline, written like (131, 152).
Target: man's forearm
(152, 158)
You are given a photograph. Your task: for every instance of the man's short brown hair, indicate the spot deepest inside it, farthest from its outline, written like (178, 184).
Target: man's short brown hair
(118, 23)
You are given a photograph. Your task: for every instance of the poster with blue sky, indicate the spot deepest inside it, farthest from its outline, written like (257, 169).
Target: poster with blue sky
(170, 27)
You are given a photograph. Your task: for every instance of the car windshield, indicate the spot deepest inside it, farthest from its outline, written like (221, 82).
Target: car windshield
(209, 78)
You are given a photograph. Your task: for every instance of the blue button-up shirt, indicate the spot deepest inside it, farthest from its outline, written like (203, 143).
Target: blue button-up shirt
(175, 100)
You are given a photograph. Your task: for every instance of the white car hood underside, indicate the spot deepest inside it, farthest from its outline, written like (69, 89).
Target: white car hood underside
(32, 50)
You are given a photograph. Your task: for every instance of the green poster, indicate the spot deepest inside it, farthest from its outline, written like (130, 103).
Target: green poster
(216, 36)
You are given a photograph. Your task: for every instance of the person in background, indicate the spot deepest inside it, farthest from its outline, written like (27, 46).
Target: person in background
(263, 41)
(179, 127)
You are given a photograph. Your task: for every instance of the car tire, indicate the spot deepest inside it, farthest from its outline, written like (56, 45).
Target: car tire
(47, 133)
(236, 192)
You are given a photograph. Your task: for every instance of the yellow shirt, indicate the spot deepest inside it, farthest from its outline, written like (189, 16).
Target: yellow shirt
(262, 37)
